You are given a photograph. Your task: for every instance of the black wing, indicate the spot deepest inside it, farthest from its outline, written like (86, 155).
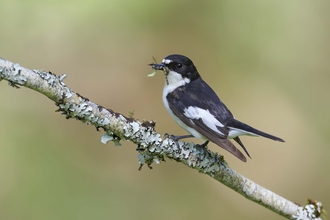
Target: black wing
(184, 96)
(208, 99)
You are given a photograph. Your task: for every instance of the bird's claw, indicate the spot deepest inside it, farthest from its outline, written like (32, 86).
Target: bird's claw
(204, 145)
(174, 138)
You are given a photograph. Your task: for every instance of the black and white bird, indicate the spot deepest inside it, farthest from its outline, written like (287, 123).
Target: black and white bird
(196, 108)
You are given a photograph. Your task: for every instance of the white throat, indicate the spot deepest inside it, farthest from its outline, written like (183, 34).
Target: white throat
(172, 81)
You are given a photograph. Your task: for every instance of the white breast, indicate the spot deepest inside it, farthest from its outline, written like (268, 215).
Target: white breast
(175, 80)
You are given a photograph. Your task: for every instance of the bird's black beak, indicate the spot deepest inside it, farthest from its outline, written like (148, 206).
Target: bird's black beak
(160, 66)
(156, 66)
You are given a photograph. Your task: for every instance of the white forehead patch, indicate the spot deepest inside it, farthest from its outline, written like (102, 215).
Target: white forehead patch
(166, 61)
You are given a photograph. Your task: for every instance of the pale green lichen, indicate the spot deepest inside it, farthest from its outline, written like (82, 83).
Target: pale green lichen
(310, 211)
(13, 75)
(110, 137)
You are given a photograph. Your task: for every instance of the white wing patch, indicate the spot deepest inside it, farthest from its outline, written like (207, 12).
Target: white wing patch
(208, 119)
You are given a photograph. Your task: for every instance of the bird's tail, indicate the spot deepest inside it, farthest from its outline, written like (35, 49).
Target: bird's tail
(248, 130)
(230, 147)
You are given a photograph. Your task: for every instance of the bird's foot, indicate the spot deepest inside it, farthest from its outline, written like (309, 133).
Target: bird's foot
(203, 145)
(177, 138)
(174, 138)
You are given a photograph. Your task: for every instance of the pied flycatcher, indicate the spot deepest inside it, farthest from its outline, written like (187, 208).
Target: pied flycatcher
(195, 107)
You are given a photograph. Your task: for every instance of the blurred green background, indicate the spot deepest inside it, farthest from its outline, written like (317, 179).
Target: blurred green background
(267, 60)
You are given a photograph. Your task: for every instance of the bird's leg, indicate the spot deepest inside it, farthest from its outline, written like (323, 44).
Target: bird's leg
(204, 144)
(176, 138)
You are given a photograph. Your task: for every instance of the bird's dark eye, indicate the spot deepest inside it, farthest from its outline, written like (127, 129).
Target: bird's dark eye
(178, 65)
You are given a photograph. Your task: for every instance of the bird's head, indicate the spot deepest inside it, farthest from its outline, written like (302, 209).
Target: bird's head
(177, 68)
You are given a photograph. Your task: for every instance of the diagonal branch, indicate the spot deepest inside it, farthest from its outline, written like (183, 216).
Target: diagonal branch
(152, 148)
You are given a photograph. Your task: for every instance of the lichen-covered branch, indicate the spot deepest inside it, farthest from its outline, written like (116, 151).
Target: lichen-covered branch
(151, 147)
